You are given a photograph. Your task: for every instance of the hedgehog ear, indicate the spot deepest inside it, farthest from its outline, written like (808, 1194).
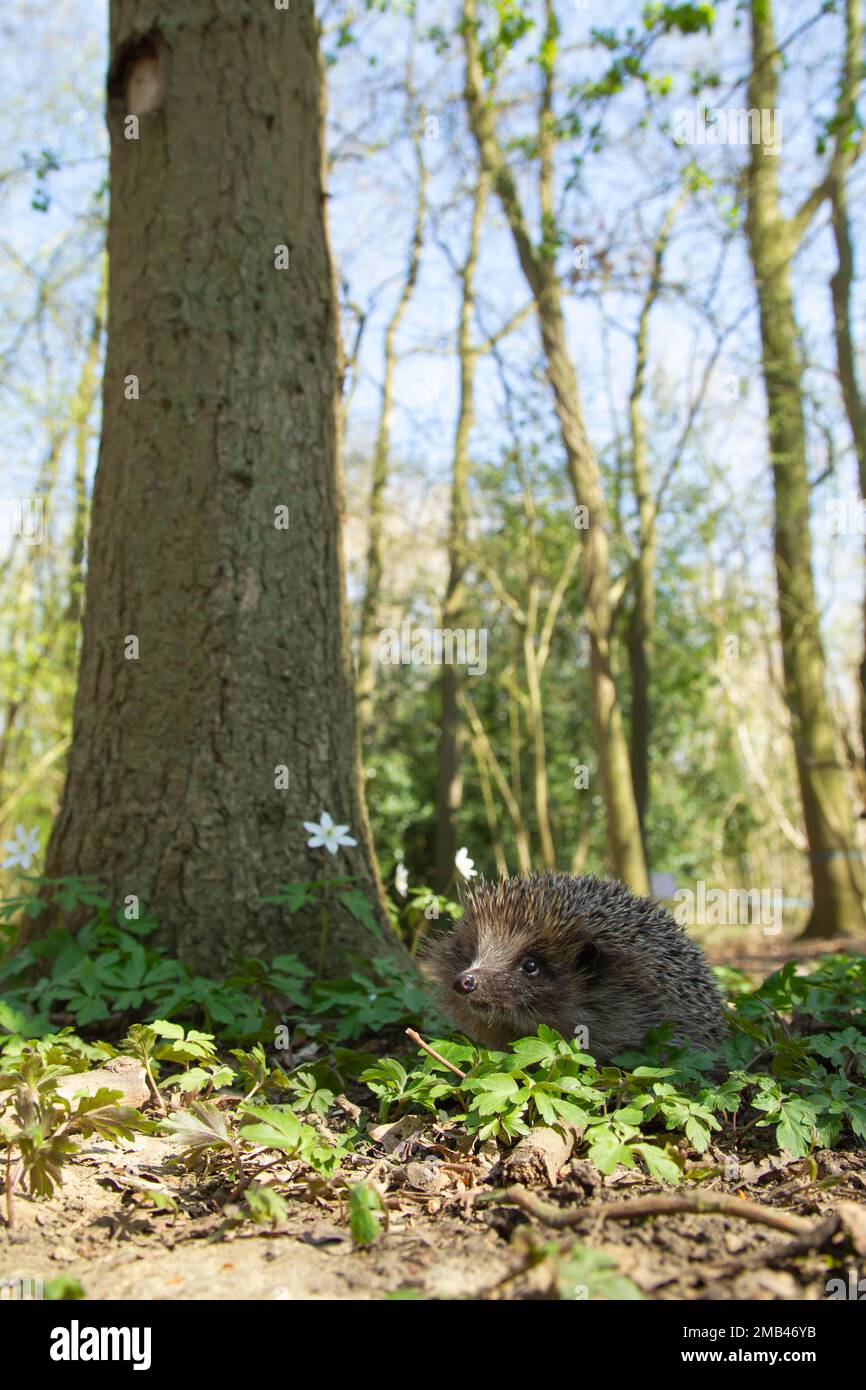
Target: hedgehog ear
(587, 958)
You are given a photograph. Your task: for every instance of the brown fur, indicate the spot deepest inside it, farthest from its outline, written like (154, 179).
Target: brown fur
(608, 961)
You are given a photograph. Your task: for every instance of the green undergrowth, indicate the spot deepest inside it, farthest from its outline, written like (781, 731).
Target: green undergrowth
(107, 973)
(273, 1063)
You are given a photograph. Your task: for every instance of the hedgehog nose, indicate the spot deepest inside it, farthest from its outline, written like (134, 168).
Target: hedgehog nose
(465, 983)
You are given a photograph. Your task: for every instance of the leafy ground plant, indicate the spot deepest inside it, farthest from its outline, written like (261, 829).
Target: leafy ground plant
(107, 973)
(39, 1126)
(291, 1100)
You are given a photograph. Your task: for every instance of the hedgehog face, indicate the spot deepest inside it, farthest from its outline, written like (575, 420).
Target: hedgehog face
(499, 985)
(511, 992)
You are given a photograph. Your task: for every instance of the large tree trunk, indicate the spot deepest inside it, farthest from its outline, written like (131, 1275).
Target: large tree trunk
(833, 854)
(243, 663)
(538, 266)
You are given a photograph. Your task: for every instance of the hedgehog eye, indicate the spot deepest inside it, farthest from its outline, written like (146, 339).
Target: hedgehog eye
(529, 965)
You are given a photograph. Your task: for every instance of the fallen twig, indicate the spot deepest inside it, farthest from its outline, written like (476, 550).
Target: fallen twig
(416, 1038)
(716, 1203)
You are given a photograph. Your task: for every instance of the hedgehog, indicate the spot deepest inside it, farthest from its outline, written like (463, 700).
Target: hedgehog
(582, 955)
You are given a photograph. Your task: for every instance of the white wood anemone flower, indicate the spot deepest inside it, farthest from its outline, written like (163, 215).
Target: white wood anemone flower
(325, 833)
(23, 849)
(463, 864)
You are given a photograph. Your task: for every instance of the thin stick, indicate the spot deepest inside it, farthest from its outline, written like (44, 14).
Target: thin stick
(247, 1178)
(416, 1038)
(154, 1089)
(716, 1202)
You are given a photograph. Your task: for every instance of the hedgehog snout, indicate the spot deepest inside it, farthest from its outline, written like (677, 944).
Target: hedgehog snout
(466, 983)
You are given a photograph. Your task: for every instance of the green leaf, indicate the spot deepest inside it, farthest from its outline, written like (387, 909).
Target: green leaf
(293, 896)
(164, 1029)
(498, 1082)
(364, 1206)
(697, 1133)
(361, 909)
(265, 1124)
(659, 1164)
(569, 1112)
(266, 1205)
(529, 1050)
(591, 1274)
(606, 1151)
(201, 1127)
(63, 1287)
(544, 1106)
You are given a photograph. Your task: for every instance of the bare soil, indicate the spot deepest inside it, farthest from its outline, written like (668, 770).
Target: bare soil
(438, 1244)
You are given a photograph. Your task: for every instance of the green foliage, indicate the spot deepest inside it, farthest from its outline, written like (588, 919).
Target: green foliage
(278, 1127)
(63, 1288)
(545, 1080)
(341, 891)
(308, 1093)
(39, 1126)
(202, 1128)
(370, 999)
(633, 1111)
(107, 970)
(792, 1070)
(582, 1273)
(686, 18)
(365, 1204)
(265, 1205)
(511, 23)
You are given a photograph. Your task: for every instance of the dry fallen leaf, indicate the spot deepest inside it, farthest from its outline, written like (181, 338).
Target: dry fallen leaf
(392, 1135)
(427, 1177)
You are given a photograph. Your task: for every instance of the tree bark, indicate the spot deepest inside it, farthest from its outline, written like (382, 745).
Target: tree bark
(487, 759)
(369, 623)
(842, 282)
(538, 266)
(855, 406)
(243, 666)
(81, 413)
(449, 782)
(642, 618)
(833, 854)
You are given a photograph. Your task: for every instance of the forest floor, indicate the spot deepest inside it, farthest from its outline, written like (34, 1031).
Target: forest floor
(439, 1241)
(439, 1244)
